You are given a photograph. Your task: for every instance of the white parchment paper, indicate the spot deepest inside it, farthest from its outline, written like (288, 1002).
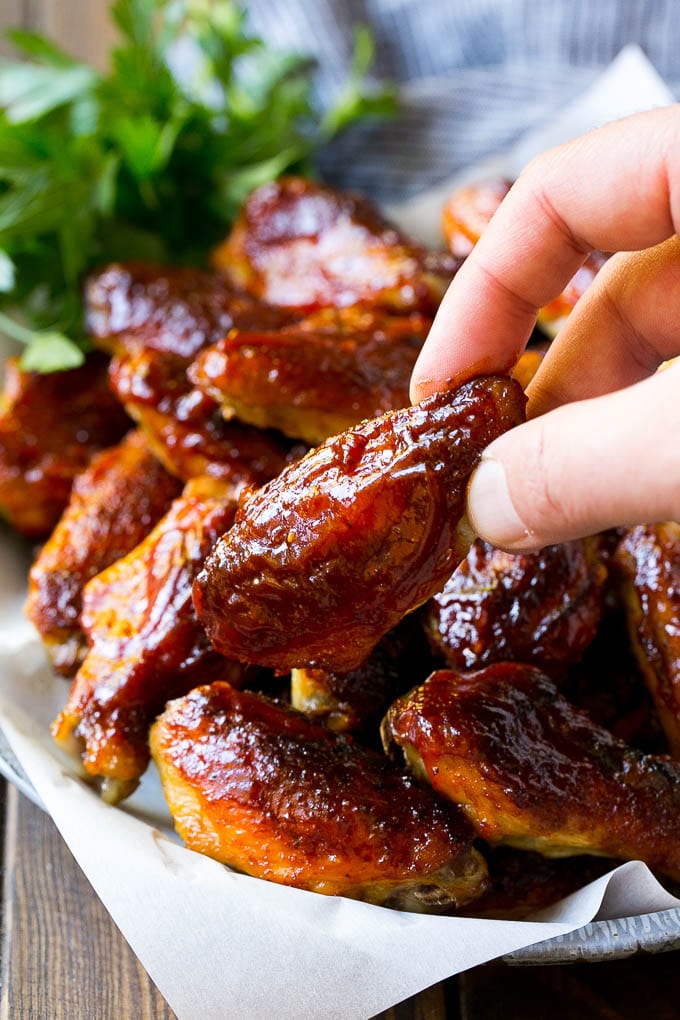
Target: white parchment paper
(220, 945)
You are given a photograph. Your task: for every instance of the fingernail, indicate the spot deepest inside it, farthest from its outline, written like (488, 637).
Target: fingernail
(490, 509)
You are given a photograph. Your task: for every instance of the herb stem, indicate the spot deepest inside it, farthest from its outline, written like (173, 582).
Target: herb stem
(11, 328)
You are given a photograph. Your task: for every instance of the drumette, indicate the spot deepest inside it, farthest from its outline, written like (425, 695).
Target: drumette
(329, 556)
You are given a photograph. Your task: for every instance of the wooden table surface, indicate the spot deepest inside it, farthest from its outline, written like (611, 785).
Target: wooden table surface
(64, 959)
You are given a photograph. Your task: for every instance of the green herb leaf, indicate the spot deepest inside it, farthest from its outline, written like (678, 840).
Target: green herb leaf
(51, 352)
(136, 163)
(28, 92)
(32, 44)
(355, 101)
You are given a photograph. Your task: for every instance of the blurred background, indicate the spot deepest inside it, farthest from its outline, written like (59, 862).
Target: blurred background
(81, 26)
(475, 73)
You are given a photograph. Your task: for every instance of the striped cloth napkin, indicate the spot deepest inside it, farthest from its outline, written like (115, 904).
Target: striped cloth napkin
(475, 73)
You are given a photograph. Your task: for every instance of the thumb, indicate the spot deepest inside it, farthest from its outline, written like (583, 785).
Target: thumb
(584, 467)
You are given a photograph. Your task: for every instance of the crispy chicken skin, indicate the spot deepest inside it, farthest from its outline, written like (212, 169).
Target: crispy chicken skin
(186, 429)
(146, 645)
(309, 387)
(532, 771)
(542, 608)
(648, 563)
(465, 217)
(172, 309)
(50, 426)
(114, 504)
(301, 245)
(329, 556)
(349, 702)
(257, 786)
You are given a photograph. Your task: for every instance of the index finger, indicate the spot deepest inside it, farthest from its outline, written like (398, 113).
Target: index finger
(614, 189)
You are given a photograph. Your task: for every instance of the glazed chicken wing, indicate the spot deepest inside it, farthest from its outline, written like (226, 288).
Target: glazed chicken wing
(532, 771)
(260, 788)
(648, 561)
(543, 607)
(146, 645)
(309, 387)
(50, 426)
(175, 310)
(155, 320)
(185, 427)
(114, 504)
(302, 245)
(329, 556)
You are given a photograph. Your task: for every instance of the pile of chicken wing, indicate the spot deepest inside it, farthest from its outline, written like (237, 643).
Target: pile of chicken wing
(257, 570)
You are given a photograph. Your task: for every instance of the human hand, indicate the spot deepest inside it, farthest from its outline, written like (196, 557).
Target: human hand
(601, 446)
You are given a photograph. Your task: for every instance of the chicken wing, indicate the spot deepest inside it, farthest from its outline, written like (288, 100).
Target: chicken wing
(50, 426)
(114, 504)
(648, 562)
(260, 788)
(329, 556)
(299, 244)
(146, 644)
(175, 310)
(185, 427)
(532, 771)
(544, 607)
(309, 387)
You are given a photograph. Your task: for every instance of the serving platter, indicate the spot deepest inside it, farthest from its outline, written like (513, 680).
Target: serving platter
(599, 941)
(26, 677)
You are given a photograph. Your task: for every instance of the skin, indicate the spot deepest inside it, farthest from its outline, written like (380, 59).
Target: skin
(599, 448)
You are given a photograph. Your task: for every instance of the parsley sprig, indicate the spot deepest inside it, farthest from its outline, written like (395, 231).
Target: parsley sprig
(145, 161)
